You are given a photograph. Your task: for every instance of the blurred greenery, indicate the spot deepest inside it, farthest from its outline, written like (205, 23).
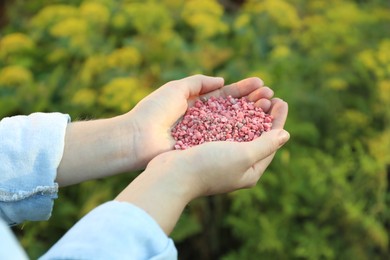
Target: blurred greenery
(325, 196)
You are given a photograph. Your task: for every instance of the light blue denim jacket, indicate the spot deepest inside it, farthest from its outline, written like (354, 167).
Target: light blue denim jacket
(31, 149)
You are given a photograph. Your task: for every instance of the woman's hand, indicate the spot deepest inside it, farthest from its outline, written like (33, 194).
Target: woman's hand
(172, 179)
(100, 148)
(220, 167)
(153, 118)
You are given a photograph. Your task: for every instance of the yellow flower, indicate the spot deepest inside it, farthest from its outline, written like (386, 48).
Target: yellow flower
(119, 20)
(80, 43)
(384, 52)
(121, 93)
(336, 83)
(52, 14)
(205, 17)
(354, 118)
(84, 97)
(210, 56)
(349, 13)
(242, 21)
(69, 27)
(378, 61)
(280, 52)
(92, 67)
(283, 13)
(15, 76)
(384, 91)
(15, 43)
(95, 13)
(331, 67)
(57, 55)
(173, 4)
(380, 147)
(367, 58)
(126, 57)
(149, 17)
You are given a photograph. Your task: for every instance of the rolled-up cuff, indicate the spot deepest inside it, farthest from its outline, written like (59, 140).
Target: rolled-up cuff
(31, 149)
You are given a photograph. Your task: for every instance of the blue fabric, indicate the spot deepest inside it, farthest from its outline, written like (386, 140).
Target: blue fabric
(9, 246)
(114, 230)
(31, 149)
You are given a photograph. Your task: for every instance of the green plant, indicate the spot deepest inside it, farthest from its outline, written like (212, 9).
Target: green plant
(325, 196)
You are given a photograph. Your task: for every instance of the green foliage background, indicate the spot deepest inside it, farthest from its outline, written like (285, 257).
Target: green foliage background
(326, 194)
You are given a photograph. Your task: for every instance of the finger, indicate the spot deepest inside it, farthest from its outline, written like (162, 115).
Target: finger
(179, 91)
(242, 88)
(254, 173)
(279, 111)
(264, 104)
(199, 84)
(263, 151)
(239, 89)
(260, 166)
(260, 93)
(266, 145)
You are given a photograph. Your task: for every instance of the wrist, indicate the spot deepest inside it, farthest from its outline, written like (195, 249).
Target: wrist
(126, 135)
(158, 194)
(144, 138)
(133, 137)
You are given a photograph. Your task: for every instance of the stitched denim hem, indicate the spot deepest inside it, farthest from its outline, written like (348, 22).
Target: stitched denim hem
(17, 195)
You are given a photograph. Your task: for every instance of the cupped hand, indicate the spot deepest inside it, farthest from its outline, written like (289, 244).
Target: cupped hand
(173, 178)
(220, 167)
(153, 118)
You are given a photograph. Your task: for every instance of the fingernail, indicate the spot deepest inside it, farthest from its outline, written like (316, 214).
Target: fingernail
(261, 82)
(283, 137)
(221, 79)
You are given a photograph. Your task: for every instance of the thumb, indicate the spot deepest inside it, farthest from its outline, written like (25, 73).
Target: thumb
(267, 144)
(200, 84)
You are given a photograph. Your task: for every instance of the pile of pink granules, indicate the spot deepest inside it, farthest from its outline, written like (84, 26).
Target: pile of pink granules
(220, 119)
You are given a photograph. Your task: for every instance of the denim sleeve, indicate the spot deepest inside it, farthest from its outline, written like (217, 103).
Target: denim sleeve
(31, 149)
(9, 246)
(114, 230)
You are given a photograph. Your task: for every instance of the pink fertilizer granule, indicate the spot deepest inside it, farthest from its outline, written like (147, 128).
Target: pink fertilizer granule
(220, 119)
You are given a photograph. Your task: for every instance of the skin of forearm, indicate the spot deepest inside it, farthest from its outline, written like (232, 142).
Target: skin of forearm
(96, 149)
(164, 199)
